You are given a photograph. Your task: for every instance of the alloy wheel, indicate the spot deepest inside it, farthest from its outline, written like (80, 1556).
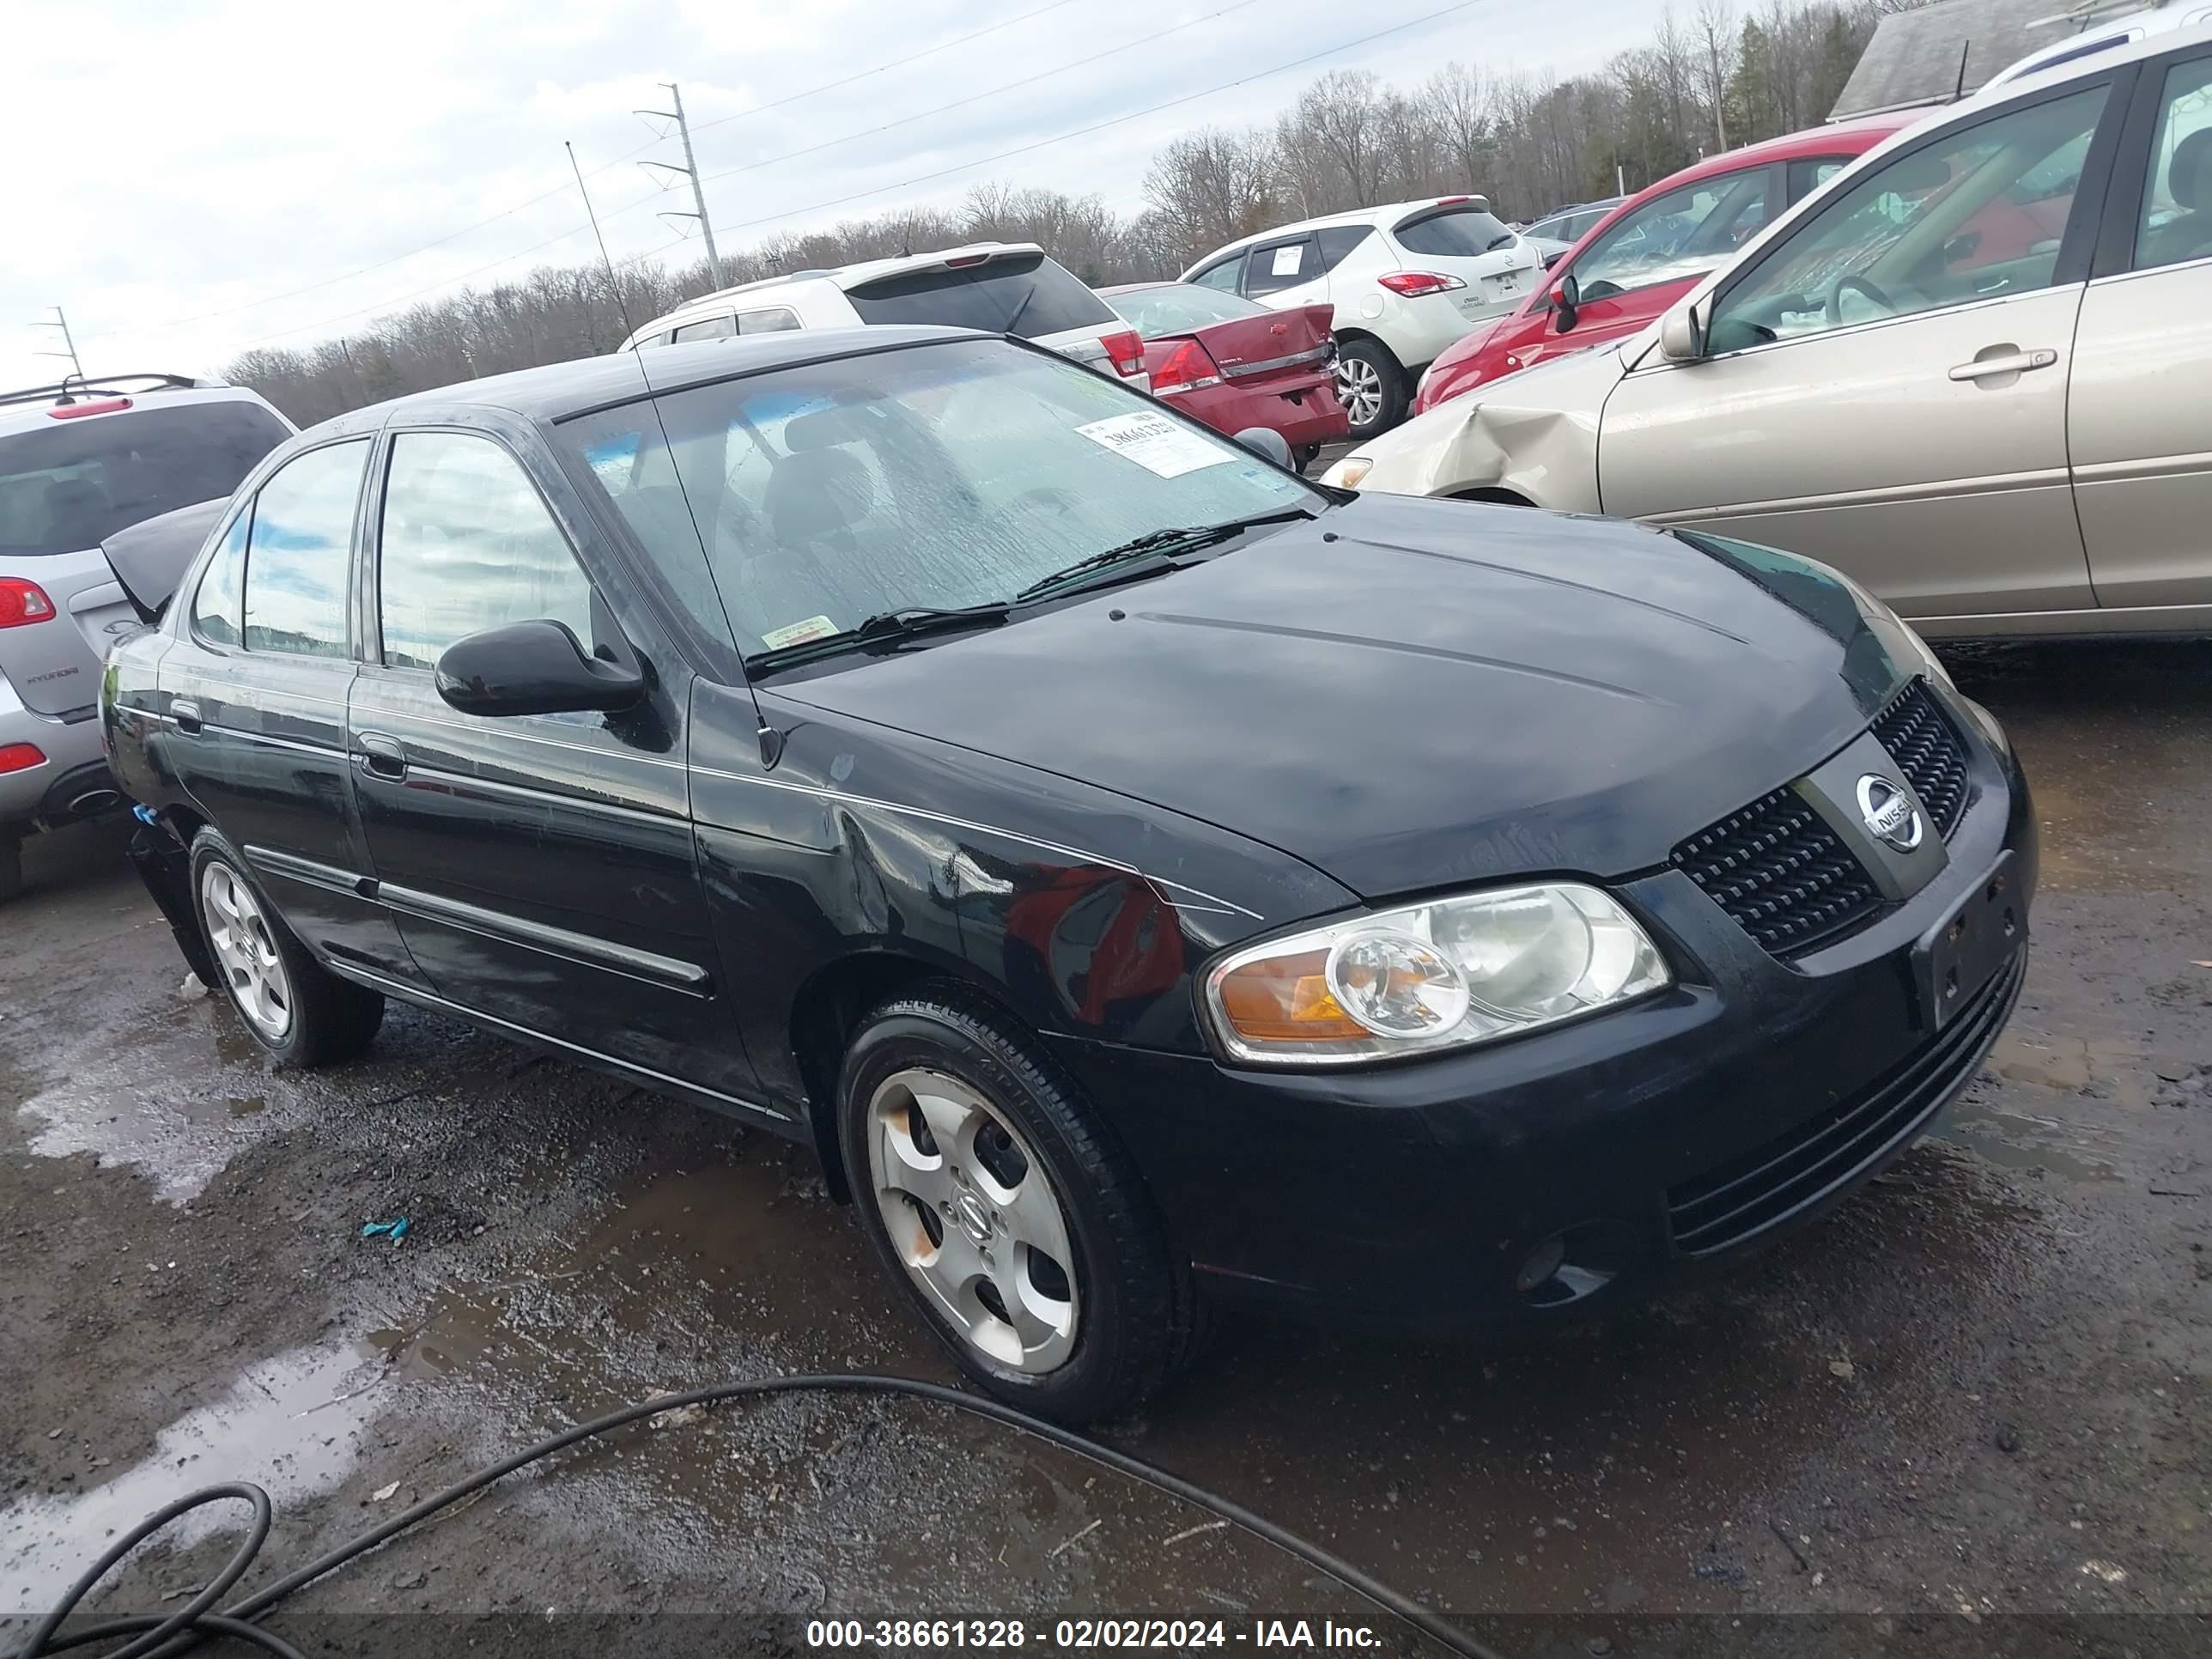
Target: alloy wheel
(244, 951)
(974, 1218)
(1359, 388)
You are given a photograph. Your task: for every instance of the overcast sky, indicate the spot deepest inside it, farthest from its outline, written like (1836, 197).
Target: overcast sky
(189, 178)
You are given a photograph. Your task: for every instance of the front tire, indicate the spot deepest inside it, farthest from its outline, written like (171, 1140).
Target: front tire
(1019, 1231)
(298, 1010)
(1371, 386)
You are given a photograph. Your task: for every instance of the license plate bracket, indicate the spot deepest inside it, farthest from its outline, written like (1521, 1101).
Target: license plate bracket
(1962, 952)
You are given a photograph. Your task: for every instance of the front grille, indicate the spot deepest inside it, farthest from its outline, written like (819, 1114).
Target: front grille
(1777, 867)
(1925, 745)
(1836, 1147)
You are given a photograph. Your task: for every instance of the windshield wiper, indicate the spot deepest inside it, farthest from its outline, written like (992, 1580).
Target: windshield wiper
(1497, 242)
(1160, 544)
(907, 622)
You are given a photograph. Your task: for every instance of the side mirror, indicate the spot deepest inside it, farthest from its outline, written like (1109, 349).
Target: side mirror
(1267, 444)
(533, 668)
(1566, 303)
(1682, 335)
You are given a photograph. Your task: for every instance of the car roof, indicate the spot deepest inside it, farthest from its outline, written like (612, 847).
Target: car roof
(840, 277)
(33, 406)
(555, 391)
(1385, 213)
(2153, 43)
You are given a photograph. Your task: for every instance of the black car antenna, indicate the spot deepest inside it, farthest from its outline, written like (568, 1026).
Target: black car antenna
(622, 309)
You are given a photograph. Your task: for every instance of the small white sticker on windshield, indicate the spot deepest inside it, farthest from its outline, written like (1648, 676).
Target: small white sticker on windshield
(1156, 443)
(798, 633)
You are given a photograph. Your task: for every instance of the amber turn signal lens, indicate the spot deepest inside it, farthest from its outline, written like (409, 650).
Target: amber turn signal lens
(1286, 1000)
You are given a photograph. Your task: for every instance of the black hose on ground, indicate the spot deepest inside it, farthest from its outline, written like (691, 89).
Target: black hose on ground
(143, 1637)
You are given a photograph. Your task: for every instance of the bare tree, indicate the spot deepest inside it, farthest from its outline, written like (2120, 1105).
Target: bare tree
(1714, 33)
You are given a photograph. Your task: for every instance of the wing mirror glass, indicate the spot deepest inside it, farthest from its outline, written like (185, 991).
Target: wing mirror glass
(534, 668)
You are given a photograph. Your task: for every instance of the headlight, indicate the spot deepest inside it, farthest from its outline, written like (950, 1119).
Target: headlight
(1443, 975)
(1347, 473)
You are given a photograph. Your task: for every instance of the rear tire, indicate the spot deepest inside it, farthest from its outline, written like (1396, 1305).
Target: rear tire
(1017, 1229)
(11, 865)
(1308, 454)
(1371, 385)
(298, 1010)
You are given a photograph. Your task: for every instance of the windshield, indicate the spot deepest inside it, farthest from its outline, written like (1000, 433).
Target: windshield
(1024, 294)
(939, 475)
(1681, 235)
(71, 484)
(1179, 307)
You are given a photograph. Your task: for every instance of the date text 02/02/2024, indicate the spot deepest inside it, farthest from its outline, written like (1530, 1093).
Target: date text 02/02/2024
(1293, 1634)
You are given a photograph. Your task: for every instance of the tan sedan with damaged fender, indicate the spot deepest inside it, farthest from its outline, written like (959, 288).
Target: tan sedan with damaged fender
(1968, 373)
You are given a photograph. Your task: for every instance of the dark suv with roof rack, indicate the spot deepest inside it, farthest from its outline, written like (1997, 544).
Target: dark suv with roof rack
(80, 460)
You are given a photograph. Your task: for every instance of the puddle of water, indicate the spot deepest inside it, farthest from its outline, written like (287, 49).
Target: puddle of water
(2048, 1129)
(290, 1424)
(124, 1097)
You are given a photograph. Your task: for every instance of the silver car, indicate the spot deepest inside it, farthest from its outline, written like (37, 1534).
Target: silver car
(80, 461)
(1970, 372)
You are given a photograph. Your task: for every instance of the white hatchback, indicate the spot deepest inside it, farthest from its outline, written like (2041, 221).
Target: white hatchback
(1406, 280)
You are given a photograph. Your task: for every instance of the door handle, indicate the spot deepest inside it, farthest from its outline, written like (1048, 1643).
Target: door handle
(2011, 363)
(383, 756)
(186, 713)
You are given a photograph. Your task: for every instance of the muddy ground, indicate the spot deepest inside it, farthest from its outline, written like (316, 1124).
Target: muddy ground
(1969, 1413)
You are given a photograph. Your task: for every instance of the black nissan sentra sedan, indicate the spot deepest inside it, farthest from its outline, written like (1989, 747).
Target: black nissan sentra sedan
(1144, 876)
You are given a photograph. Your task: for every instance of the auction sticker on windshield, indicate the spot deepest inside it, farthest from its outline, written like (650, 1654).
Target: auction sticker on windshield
(798, 633)
(1156, 443)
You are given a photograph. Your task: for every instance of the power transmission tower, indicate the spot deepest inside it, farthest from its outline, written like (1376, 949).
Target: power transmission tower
(689, 170)
(61, 322)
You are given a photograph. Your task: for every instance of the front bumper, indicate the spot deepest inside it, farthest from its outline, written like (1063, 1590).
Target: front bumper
(1634, 1146)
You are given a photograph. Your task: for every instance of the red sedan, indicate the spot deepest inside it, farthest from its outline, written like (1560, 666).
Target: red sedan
(1651, 250)
(1233, 364)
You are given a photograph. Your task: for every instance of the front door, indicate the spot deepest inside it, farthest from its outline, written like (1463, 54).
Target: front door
(541, 866)
(1886, 387)
(2140, 419)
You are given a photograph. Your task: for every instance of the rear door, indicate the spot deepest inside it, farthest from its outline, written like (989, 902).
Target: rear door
(255, 699)
(541, 866)
(2139, 421)
(71, 477)
(1883, 396)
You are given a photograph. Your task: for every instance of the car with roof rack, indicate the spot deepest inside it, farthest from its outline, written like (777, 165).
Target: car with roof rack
(1001, 288)
(1144, 878)
(80, 460)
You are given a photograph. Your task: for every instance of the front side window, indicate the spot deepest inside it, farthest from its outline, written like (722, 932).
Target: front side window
(940, 475)
(712, 328)
(222, 594)
(468, 544)
(299, 552)
(1281, 266)
(1672, 238)
(1975, 215)
(2176, 224)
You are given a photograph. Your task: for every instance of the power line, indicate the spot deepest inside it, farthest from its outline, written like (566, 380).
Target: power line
(1085, 62)
(1100, 126)
(896, 63)
(562, 189)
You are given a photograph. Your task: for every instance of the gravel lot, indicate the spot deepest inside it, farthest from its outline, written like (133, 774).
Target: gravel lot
(1968, 1414)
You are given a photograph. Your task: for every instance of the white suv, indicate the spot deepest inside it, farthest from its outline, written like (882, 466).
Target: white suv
(1406, 280)
(1001, 288)
(80, 461)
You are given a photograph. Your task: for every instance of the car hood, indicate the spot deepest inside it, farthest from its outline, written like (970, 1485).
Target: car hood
(1409, 694)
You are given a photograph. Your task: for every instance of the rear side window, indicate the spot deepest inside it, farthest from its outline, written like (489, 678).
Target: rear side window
(1453, 234)
(776, 320)
(1338, 241)
(297, 553)
(1807, 176)
(715, 328)
(69, 485)
(221, 593)
(468, 544)
(1026, 294)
